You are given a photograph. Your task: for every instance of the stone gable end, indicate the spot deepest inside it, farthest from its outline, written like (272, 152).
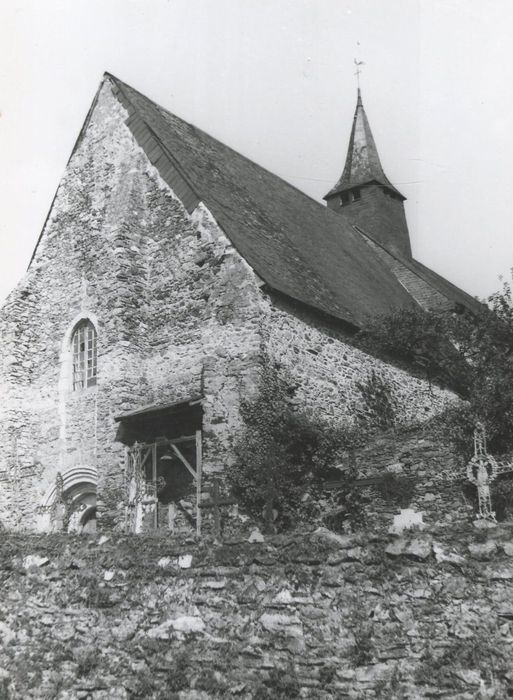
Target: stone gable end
(177, 312)
(175, 307)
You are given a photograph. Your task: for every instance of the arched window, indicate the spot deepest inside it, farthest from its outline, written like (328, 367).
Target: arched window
(83, 345)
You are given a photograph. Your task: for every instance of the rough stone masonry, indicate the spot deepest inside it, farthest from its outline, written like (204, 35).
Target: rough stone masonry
(178, 313)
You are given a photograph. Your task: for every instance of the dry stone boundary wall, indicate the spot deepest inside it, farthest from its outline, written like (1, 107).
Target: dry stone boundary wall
(313, 615)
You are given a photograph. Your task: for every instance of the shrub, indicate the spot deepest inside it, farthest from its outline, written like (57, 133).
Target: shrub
(470, 354)
(283, 456)
(379, 402)
(345, 507)
(502, 497)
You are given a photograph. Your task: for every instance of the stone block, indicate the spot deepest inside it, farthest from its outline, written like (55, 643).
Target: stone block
(482, 550)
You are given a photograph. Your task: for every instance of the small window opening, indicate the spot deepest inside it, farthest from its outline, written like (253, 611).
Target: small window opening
(84, 356)
(344, 199)
(356, 194)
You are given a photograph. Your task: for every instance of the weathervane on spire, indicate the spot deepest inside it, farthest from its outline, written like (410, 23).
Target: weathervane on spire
(358, 70)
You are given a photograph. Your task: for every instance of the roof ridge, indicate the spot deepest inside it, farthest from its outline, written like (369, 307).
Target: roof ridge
(412, 264)
(224, 145)
(157, 138)
(425, 270)
(305, 263)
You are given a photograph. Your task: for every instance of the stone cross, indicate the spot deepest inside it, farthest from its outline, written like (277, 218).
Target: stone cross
(482, 469)
(214, 503)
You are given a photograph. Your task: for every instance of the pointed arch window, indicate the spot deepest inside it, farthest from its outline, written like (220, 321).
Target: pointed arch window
(85, 363)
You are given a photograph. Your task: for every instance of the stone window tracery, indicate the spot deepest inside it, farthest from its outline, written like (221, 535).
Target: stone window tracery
(85, 364)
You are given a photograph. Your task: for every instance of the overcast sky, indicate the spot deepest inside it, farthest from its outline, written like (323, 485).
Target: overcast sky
(274, 79)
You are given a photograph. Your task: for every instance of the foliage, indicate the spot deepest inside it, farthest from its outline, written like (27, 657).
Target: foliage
(471, 354)
(502, 497)
(345, 507)
(282, 455)
(379, 402)
(419, 339)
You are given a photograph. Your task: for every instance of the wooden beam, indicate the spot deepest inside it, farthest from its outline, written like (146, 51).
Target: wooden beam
(175, 441)
(199, 472)
(154, 479)
(183, 460)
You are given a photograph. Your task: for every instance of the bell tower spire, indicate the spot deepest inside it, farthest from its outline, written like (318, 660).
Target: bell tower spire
(363, 192)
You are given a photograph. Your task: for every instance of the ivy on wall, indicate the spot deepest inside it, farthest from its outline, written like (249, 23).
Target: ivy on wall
(470, 354)
(284, 455)
(378, 401)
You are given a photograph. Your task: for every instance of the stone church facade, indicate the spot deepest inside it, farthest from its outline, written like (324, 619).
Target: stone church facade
(168, 268)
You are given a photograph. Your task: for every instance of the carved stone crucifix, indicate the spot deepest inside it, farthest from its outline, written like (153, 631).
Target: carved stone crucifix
(482, 469)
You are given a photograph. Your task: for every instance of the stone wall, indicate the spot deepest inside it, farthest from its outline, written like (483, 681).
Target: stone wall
(175, 308)
(178, 314)
(330, 371)
(381, 215)
(424, 294)
(420, 466)
(311, 615)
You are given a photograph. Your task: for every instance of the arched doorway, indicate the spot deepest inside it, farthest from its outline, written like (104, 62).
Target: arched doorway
(81, 500)
(77, 494)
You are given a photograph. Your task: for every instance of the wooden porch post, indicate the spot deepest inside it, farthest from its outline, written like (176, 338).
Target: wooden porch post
(199, 471)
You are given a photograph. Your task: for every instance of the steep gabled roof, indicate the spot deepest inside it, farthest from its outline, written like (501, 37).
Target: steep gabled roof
(296, 245)
(429, 289)
(362, 161)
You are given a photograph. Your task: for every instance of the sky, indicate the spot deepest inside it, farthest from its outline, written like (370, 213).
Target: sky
(274, 79)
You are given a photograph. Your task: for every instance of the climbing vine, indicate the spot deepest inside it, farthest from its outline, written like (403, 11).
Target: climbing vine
(283, 456)
(379, 403)
(472, 354)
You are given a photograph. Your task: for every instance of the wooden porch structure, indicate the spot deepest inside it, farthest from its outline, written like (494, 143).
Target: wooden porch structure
(163, 456)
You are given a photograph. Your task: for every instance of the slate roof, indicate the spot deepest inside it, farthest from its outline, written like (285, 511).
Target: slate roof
(430, 289)
(167, 408)
(297, 246)
(448, 289)
(362, 161)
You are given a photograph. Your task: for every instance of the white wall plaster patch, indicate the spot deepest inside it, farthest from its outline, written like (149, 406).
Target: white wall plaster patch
(407, 519)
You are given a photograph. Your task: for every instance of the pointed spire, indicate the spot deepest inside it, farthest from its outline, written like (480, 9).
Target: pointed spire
(362, 161)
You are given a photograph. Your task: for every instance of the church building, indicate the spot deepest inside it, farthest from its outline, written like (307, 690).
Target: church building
(168, 268)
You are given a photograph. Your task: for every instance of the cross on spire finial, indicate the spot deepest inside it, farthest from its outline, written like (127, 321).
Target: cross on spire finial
(358, 70)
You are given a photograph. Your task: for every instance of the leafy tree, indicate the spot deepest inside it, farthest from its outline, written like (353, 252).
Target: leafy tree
(471, 354)
(283, 455)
